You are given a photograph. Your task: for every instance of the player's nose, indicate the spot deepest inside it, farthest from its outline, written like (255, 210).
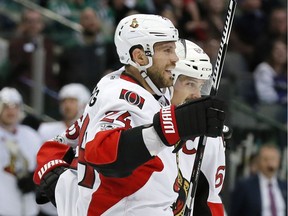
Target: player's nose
(174, 58)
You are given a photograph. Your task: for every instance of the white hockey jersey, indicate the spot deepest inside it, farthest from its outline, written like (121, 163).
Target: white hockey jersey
(210, 184)
(17, 157)
(120, 102)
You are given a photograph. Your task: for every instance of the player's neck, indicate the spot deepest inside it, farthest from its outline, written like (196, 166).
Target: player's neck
(8, 127)
(132, 71)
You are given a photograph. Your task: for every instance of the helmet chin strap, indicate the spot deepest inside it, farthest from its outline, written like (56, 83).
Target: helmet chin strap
(143, 72)
(156, 90)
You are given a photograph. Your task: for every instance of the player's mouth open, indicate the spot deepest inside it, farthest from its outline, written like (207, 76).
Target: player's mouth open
(168, 71)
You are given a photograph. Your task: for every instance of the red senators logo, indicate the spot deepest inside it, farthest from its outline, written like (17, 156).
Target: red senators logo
(132, 98)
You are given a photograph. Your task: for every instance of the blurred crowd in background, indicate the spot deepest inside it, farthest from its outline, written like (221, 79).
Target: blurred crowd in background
(47, 44)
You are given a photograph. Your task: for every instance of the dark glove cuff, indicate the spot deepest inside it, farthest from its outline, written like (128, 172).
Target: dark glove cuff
(49, 181)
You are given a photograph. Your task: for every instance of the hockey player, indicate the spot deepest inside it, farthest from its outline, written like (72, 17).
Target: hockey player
(73, 98)
(19, 145)
(125, 165)
(190, 74)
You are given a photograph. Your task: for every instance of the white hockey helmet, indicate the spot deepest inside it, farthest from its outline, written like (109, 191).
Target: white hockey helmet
(77, 91)
(193, 61)
(144, 30)
(9, 96)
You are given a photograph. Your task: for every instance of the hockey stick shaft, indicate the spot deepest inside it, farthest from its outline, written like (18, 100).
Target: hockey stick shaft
(218, 69)
(215, 81)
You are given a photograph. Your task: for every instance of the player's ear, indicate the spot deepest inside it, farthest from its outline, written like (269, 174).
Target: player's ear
(139, 56)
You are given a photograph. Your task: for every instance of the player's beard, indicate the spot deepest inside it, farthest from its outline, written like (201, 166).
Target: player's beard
(69, 114)
(10, 119)
(160, 79)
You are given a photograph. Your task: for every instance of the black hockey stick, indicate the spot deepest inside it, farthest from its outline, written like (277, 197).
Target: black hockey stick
(214, 83)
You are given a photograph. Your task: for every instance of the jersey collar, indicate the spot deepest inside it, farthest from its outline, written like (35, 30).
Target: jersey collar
(129, 78)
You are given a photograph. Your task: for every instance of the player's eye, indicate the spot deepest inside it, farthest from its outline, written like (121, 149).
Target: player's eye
(194, 84)
(191, 83)
(168, 50)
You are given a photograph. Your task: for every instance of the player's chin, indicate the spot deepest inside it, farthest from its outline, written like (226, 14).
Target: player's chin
(192, 97)
(168, 82)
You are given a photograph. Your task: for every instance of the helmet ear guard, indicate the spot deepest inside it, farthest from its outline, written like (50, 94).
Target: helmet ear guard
(193, 61)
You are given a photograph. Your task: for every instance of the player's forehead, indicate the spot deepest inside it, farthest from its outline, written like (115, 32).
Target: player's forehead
(184, 78)
(68, 99)
(165, 45)
(9, 106)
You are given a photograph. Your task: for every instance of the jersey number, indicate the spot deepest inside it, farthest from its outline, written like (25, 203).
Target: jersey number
(123, 118)
(89, 175)
(219, 178)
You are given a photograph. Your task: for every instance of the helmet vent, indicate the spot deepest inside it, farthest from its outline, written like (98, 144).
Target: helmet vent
(158, 34)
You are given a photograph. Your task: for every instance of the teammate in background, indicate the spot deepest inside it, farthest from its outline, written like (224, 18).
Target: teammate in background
(73, 99)
(190, 74)
(19, 145)
(125, 165)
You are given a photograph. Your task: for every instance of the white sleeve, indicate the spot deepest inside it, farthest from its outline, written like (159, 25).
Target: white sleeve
(71, 135)
(152, 141)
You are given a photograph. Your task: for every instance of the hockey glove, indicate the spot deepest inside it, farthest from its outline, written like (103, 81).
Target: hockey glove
(41, 197)
(46, 190)
(49, 168)
(204, 116)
